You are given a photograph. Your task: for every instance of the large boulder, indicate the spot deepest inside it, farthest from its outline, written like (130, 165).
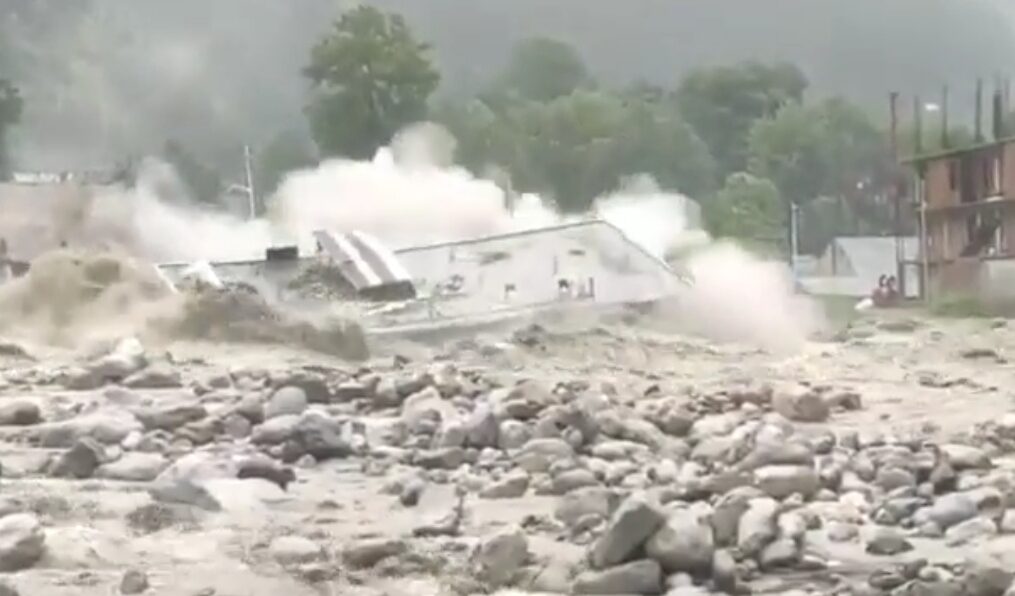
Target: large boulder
(19, 412)
(365, 554)
(321, 436)
(171, 417)
(524, 401)
(134, 467)
(275, 431)
(513, 485)
(420, 408)
(293, 550)
(637, 577)
(500, 557)
(985, 577)
(804, 405)
(949, 510)
(757, 527)
(727, 512)
(634, 522)
(539, 454)
(126, 358)
(22, 542)
(684, 543)
(286, 401)
(578, 504)
(481, 428)
(80, 461)
(966, 457)
(780, 482)
(158, 376)
(109, 426)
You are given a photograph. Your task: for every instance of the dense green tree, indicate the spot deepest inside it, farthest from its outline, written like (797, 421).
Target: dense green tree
(792, 150)
(747, 208)
(11, 106)
(723, 103)
(834, 152)
(202, 182)
(655, 140)
(371, 77)
(544, 69)
(580, 146)
(286, 152)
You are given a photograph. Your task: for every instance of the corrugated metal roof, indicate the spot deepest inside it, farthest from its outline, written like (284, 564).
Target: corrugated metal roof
(869, 257)
(363, 260)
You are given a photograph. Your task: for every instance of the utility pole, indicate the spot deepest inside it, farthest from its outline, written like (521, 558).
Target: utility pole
(794, 237)
(251, 196)
(896, 191)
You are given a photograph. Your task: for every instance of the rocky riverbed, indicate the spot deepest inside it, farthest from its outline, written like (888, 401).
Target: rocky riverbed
(603, 460)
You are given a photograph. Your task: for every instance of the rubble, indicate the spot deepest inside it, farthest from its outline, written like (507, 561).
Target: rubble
(543, 476)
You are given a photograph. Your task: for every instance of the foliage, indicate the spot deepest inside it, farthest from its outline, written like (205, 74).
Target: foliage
(543, 70)
(830, 150)
(371, 78)
(747, 208)
(723, 103)
(790, 149)
(11, 106)
(287, 152)
(203, 183)
(579, 147)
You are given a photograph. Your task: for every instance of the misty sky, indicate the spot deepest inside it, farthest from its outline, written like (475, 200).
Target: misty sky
(109, 78)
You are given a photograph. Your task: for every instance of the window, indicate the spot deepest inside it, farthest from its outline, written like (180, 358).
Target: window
(953, 174)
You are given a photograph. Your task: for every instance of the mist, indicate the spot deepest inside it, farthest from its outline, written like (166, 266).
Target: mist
(409, 195)
(105, 79)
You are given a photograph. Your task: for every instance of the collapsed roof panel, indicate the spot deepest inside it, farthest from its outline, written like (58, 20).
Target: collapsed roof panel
(373, 270)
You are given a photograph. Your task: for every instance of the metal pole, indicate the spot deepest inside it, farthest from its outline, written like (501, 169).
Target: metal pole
(794, 242)
(896, 196)
(251, 196)
(945, 142)
(924, 249)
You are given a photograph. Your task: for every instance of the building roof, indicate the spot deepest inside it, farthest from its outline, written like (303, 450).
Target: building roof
(363, 260)
(869, 258)
(870, 254)
(944, 153)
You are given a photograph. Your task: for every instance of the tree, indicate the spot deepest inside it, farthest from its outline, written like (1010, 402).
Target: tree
(579, 147)
(655, 140)
(287, 152)
(747, 208)
(792, 150)
(543, 70)
(203, 183)
(371, 78)
(11, 106)
(722, 104)
(833, 152)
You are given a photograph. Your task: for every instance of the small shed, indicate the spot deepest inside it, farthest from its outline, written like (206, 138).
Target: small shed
(852, 265)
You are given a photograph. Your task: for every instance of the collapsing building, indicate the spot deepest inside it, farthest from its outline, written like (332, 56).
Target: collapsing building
(589, 263)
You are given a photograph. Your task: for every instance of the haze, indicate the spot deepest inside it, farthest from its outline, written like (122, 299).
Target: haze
(109, 78)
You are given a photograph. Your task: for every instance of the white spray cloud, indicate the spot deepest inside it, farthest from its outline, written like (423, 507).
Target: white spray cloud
(410, 194)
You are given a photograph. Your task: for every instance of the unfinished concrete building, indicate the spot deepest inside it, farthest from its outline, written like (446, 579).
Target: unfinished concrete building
(967, 196)
(969, 200)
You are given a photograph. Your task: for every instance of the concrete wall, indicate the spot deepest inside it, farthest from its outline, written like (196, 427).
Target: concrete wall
(532, 263)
